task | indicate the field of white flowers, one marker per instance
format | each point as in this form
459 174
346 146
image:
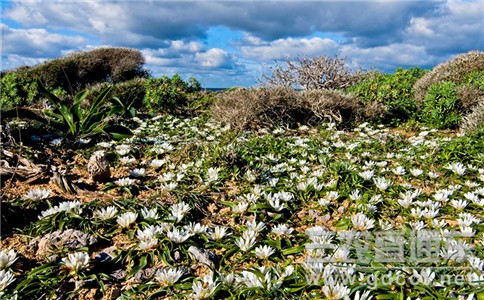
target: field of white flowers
195 210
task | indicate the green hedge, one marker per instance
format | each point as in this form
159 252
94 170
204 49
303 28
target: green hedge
393 91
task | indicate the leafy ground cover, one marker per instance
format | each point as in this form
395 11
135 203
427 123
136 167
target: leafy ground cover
194 209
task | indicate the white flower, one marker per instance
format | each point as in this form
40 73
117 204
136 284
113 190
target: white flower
126 160
212 175
418 225
7 258
240 207
426 276
6 278
168 276
363 296
385 225
416 172
148 244
179 210
76 261
476 263
127 219
156 163
205 288
196 228
381 183
37 194
335 291
276 204
123 149
324 202
149 232
106 213
218 233
458 204
258 227
250 279
177 235
264 252
126 181
250 176
245 242
150 213
362 222
367 175
355 195
457 168
282 229
399 170
139 172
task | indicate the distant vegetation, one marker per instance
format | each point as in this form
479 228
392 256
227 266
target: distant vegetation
443 97
119 185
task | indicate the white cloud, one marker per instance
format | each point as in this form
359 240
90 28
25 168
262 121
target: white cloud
387 57
37 43
289 48
214 58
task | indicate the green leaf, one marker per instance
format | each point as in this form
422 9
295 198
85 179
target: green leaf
293 250
118 132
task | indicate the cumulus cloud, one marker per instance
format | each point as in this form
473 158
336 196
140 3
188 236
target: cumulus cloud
288 48
177 36
37 42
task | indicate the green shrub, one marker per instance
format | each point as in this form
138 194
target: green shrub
17 91
456 70
441 107
394 91
170 94
20 90
78 70
130 93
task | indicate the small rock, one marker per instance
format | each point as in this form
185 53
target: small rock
204 256
70 239
98 167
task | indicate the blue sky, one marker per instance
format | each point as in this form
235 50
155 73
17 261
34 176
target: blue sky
229 43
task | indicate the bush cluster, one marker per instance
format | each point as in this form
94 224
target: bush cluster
284 106
169 94
388 97
456 70
320 72
72 74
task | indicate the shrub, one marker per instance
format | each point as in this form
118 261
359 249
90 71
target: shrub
388 97
441 106
322 72
455 70
130 92
474 121
283 106
471 92
17 90
171 94
78 70
20 90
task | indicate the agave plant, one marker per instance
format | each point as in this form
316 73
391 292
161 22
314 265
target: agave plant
80 123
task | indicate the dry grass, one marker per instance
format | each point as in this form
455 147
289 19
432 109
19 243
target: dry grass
474 120
283 106
454 70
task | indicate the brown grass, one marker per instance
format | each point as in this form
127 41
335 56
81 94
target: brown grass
454 70
283 106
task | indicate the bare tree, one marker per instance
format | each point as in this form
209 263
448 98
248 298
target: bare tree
318 73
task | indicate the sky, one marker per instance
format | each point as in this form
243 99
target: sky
233 43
